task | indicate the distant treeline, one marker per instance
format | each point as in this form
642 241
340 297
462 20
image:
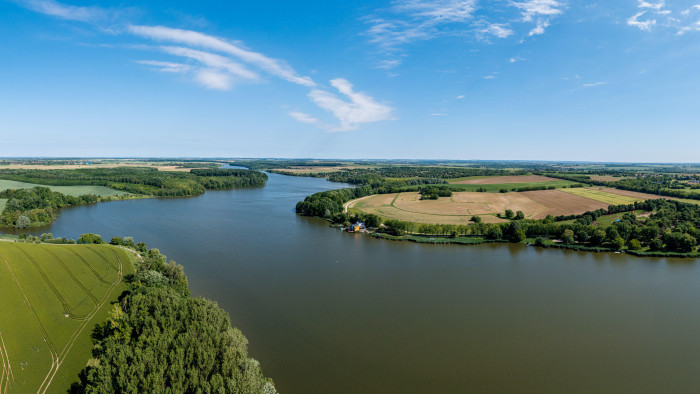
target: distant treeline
158 339
373 176
38 205
141 180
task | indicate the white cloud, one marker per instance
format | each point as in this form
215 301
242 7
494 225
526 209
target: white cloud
516 59
360 108
214 79
656 6
168 67
498 30
534 8
590 85
642 25
461 96
63 11
302 117
213 61
543 10
438 114
438 11
539 29
193 38
490 77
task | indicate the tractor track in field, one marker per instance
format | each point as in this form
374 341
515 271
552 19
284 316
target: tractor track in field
76 333
58 295
6 367
42 330
90 248
97 275
56 358
70 273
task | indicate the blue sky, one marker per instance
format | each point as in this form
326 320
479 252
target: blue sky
441 79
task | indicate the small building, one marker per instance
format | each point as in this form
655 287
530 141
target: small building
357 226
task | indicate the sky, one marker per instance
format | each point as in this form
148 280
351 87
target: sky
404 79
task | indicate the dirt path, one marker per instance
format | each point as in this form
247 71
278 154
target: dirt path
347 204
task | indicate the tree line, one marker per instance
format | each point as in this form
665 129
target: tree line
142 180
159 339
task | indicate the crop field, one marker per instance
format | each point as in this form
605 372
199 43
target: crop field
51 297
67 190
492 180
496 187
610 196
459 208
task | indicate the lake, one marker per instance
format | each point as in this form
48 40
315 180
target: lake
327 311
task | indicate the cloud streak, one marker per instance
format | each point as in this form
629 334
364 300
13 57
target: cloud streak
357 109
274 67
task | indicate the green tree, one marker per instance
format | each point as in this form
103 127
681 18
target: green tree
494 233
476 219
568 237
618 242
509 214
23 222
634 244
519 215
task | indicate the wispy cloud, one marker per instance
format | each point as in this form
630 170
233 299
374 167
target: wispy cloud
408 21
357 109
304 118
645 25
218 63
594 84
192 38
168 67
497 30
540 11
64 11
536 8
539 29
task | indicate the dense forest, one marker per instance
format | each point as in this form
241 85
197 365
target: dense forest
37 205
158 339
142 180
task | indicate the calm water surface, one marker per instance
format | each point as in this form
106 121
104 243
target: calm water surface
327 311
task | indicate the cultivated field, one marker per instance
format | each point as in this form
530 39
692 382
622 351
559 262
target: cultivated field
492 180
459 208
126 163
68 190
611 196
607 178
51 297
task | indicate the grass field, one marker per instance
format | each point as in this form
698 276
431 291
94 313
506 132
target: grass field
51 297
604 195
68 190
459 208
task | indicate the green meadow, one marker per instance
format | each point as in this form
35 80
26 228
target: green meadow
67 190
51 298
